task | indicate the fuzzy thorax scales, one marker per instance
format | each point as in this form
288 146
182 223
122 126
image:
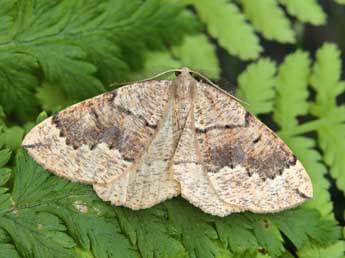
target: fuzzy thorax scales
150 141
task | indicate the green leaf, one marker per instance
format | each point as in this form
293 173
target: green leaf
6 19
83 253
198 53
197 236
278 28
44 208
236 233
300 224
150 232
80 45
42 116
250 254
5 156
340 1
256 86
228 26
92 230
5 175
313 250
11 137
8 251
267 234
17 83
39 233
51 98
2 114
292 92
156 62
325 79
62 65
332 142
306 11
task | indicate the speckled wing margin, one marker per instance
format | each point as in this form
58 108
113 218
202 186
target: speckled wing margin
246 164
100 139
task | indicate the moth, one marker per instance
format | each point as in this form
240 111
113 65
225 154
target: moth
152 140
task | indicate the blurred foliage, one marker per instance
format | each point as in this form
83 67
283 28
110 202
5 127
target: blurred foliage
55 53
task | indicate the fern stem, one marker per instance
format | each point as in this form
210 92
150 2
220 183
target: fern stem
301 129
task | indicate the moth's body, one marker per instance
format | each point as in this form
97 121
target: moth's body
150 141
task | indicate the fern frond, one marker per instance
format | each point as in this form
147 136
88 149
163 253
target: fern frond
197 240
195 52
201 58
8 251
52 97
332 142
325 79
42 208
312 250
199 54
156 62
17 83
277 27
248 254
6 20
255 86
150 232
292 92
331 136
10 137
292 224
5 173
306 11
237 234
227 24
80 45
267 234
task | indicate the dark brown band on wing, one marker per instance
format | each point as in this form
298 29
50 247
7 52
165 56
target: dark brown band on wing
125 119
214 127
92 123
253 147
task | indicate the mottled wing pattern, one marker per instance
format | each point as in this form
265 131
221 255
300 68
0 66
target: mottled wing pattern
98 140
150 181
247 165
190 171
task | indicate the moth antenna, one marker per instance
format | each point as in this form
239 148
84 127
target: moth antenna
147 79
219 88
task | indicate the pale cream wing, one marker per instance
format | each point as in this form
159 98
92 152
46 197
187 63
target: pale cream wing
190 171
247 165
100 139
150 181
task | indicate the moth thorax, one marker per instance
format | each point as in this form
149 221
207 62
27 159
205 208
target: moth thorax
184 86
